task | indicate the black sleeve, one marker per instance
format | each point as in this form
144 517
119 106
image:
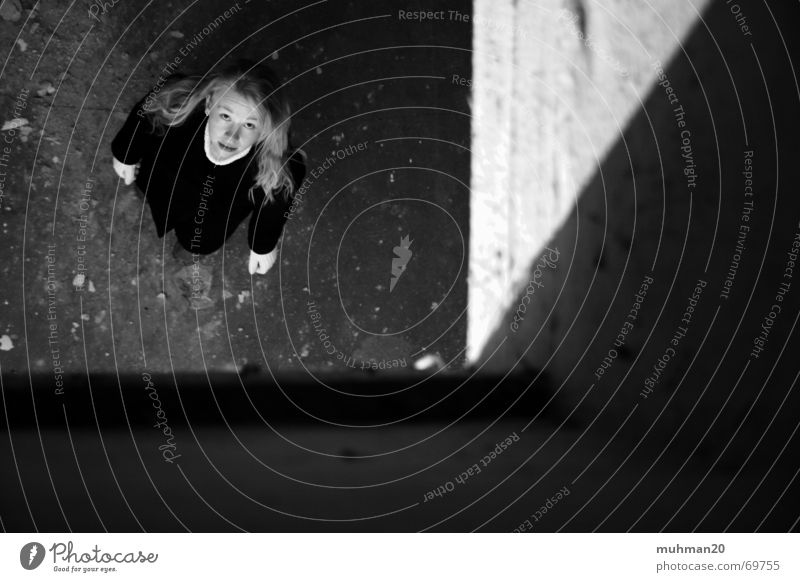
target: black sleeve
267 221
134 138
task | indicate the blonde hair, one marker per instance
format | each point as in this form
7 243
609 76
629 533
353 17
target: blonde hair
181 96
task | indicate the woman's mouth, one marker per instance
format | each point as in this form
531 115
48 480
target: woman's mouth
226 148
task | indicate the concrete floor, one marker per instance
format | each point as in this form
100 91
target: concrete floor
337 249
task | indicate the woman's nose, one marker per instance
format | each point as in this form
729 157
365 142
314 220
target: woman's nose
232 133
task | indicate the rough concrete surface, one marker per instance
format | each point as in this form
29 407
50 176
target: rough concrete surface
80 70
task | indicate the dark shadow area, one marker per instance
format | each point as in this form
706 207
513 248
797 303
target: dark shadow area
224 454
670 323
217 398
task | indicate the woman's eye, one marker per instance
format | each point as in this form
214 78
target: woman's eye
250 125
225 116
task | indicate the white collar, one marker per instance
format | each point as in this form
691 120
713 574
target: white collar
225 162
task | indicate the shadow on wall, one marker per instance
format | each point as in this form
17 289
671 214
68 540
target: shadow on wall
664 305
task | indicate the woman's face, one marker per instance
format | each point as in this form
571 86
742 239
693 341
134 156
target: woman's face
235 123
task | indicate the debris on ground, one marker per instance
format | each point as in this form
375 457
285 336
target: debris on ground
10 10
6 343
14 124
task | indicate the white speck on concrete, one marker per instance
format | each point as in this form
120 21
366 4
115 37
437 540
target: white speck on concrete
429 362
45 88
14 124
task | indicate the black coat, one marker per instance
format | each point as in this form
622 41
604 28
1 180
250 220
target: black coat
188 192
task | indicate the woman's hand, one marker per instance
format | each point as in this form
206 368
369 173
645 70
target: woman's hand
262 263
125 171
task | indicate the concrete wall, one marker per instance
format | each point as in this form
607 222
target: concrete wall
628 187
555 84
